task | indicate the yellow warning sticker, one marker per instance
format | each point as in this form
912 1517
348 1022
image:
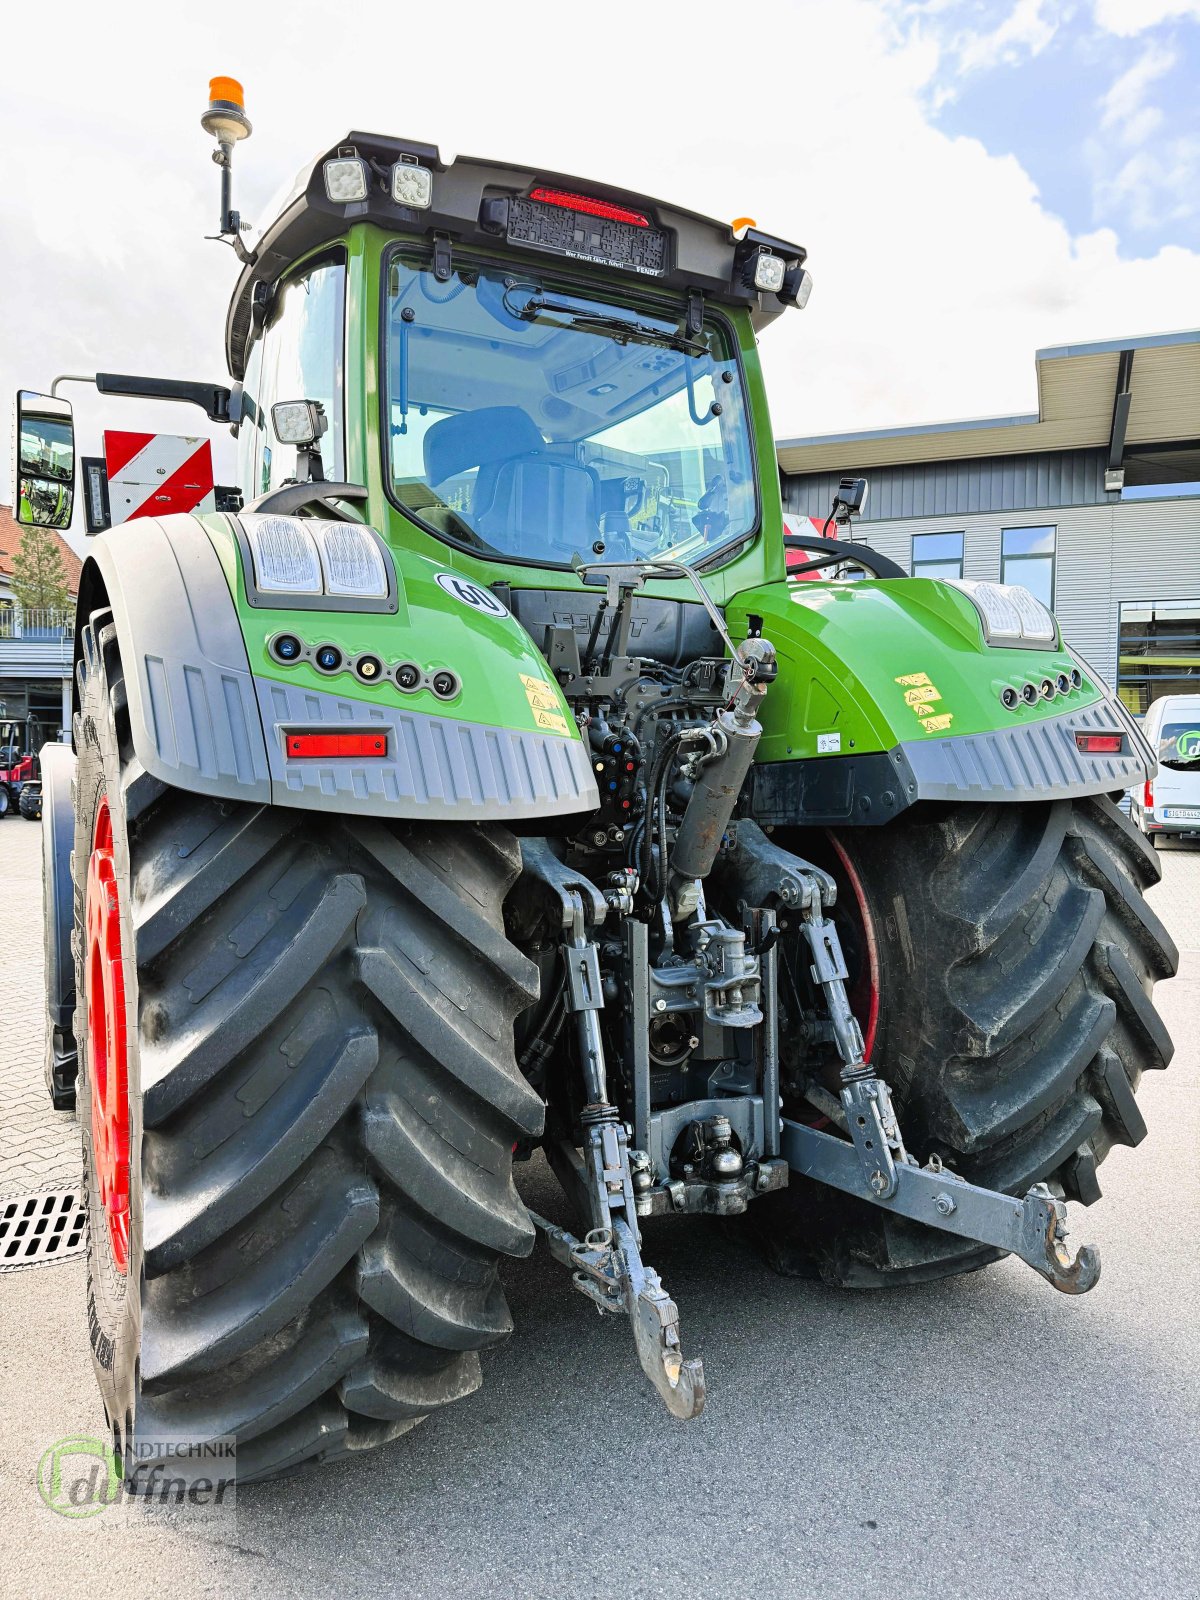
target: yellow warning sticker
543 702
921 695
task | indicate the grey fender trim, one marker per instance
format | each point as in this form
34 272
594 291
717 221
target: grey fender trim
437 767
1024 761
192 709
1031 761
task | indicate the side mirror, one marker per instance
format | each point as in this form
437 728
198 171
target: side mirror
44 460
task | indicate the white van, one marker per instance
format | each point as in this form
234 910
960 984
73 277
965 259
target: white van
1170 802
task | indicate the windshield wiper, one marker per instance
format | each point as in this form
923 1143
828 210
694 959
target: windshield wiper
606 322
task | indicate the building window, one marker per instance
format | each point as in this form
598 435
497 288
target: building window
1027 557
937 555
1158 651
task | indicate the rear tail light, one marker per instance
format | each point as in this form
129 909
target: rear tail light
335 746
589 207
1148 796
1099 744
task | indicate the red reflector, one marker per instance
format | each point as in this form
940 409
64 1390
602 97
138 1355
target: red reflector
335 745
1099 744
592 208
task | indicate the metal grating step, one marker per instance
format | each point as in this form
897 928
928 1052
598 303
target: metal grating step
38 1229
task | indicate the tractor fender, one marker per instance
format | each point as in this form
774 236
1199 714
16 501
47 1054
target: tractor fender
200 719
193 714
58 894
888 693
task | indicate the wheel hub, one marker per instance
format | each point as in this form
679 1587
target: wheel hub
107 1039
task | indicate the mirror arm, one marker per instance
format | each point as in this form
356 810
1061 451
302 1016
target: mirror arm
70 377
212 398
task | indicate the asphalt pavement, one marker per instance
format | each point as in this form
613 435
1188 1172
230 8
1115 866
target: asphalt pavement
982 1437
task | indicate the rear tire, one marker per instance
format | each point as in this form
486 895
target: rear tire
5 800
1015 959
323 1101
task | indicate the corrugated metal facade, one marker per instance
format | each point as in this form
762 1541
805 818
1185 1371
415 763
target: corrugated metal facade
1106 553
960 488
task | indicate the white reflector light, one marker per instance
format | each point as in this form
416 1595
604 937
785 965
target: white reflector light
1010 614
346 179
350 560
768 272
285 556
412 186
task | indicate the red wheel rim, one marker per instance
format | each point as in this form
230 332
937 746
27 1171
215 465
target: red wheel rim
107 1040
864 998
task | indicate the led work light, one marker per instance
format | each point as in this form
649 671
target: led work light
412 185
345 179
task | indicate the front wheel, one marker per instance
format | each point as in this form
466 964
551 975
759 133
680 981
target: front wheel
5 800
1002 961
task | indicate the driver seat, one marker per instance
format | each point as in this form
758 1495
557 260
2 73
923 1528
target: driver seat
521 492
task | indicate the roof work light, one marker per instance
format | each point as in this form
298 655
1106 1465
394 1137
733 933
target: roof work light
346 178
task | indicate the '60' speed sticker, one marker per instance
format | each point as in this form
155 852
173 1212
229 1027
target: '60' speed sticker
471 594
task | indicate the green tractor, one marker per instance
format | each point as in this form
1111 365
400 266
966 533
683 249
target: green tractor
485 786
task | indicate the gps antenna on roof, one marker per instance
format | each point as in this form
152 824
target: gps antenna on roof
227 121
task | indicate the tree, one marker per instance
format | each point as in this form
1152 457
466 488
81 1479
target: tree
39 579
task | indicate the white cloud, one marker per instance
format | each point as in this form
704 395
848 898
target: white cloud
1026 30
1127 17
938 272
1153 186
1122 110
1155 178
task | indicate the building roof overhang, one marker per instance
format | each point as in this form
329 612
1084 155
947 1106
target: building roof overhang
1113 394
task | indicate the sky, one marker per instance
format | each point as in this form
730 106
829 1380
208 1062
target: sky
973 179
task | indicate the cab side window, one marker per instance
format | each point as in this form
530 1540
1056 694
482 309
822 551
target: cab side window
301 357
250 428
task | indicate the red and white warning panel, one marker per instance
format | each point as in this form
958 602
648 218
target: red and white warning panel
154 474
797 560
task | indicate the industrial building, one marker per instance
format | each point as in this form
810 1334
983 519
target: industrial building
36 647
1092 502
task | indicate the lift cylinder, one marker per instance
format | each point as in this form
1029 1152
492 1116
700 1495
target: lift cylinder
714 797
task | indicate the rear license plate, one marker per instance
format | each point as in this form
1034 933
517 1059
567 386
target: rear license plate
587 238
1182 813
